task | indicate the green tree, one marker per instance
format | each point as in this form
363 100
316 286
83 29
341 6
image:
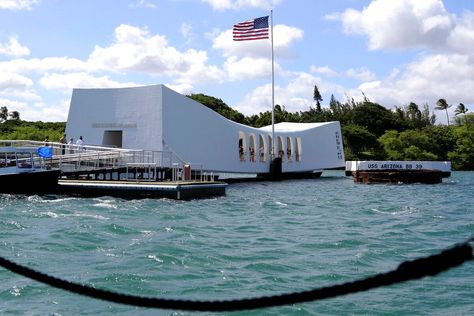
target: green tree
13 129
339 111
376 118
461 109
416 153
317 98
428 118
392 145
14 115
3 113
313 115
468 120
218 106
441 104
442 137
408 145
359 143
462 157
411 117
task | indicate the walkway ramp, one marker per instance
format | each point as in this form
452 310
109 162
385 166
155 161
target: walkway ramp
98 162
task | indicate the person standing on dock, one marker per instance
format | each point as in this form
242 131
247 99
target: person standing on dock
70 146
80 144
63 142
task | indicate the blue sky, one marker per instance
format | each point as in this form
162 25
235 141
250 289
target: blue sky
395 51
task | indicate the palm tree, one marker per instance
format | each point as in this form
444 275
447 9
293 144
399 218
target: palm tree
441 104
461 109
3 113
14 115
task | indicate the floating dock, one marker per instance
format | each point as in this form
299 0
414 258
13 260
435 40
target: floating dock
398 171
181 190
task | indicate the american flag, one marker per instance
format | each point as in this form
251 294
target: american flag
251 30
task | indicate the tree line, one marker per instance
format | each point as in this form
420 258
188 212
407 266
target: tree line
12 127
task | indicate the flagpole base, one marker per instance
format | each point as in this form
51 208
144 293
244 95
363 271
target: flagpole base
275 169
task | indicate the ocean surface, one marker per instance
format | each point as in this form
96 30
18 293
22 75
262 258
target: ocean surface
260 239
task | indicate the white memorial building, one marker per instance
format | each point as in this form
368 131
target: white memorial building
160 119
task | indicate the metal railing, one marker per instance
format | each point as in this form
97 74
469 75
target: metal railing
90 158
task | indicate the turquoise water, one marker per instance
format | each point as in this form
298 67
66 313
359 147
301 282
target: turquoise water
261 239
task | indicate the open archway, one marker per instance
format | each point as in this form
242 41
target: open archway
252 147
280 147
270 147
289 149
298 149
242 145
261 148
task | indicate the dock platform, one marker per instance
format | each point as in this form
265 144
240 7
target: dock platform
180 190
92 171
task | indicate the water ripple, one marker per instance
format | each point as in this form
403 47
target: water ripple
260 239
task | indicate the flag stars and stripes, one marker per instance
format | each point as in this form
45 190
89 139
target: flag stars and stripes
251 30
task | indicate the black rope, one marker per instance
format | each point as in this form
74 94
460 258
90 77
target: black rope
408 270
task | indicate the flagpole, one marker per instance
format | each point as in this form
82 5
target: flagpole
273 89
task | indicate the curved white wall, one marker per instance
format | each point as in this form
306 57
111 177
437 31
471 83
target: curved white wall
157 118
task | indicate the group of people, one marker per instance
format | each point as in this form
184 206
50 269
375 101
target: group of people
71 146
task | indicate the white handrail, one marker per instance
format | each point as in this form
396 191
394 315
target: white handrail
99 157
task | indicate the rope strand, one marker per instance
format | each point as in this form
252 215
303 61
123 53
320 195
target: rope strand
408 270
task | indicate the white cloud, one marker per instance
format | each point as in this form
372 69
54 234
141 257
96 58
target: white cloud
14 81
22 94
247 68
297 95
56 112
335 16
445 71
285 36
461 39
134 49
258 100
402 24
13 48
212 34
66 82
17 4
324 70
448 76
183 88
186 30
14 105
38 110
38 65
362 74
224 42
241 4
219 4
143 4
16 86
